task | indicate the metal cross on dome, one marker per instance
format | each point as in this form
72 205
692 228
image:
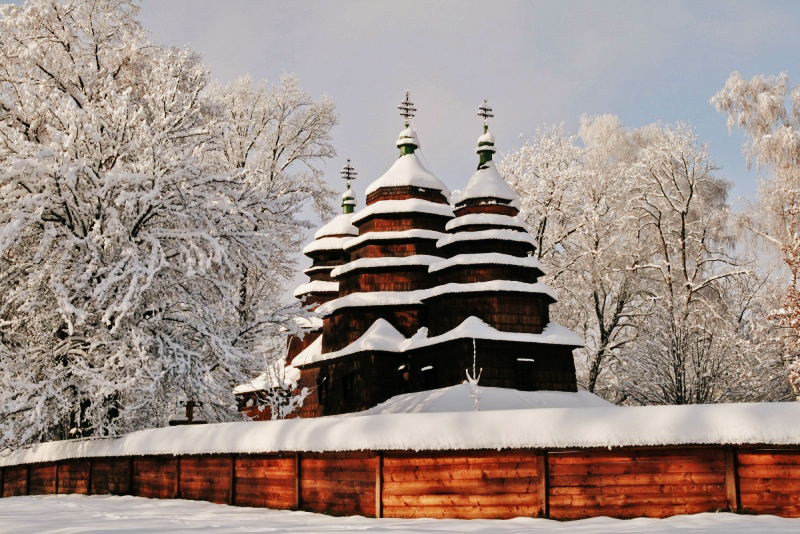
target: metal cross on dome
485 111
407 108
348 172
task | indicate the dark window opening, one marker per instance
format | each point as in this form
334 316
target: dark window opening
322 389
348 387
526 374
428 377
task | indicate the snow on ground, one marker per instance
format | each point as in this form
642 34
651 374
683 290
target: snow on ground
74 514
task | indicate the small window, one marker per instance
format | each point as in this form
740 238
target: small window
526 374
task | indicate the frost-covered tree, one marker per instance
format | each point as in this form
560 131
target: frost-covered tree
125 236
768 111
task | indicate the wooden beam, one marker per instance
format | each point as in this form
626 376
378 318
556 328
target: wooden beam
89 478
542 490
130 475
177 477
297 473
379 485
731 479
2 480
232 487
28 480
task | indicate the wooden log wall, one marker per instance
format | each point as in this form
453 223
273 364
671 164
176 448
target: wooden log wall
623 482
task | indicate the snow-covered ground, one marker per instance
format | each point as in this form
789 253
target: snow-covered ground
73 514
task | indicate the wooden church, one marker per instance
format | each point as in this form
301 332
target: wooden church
417 285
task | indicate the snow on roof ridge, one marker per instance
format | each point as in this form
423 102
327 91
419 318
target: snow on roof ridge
500 234
326 243
490 258
474 328
391 235
373 298
380 336
339 225
486 183
388 261
316 286
489 219
307 354
490 285
290 374
408 170
409 205
766 423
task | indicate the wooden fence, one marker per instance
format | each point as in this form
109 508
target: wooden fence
560 484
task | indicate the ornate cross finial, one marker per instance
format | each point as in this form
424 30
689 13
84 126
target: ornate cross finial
407 108
348 172
485 111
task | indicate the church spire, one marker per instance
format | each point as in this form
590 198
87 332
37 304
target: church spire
349 197
486 141
407 142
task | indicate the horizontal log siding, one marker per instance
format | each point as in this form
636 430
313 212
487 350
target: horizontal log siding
503 310
405 192
42 479
636 483
769 481
74 476
485 246
398 222
407 278
466 274
155 477
396 248
338 483
495 485
499 209
266 481
206 478
15 481
111 476
623 482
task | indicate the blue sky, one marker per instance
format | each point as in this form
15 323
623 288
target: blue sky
536 62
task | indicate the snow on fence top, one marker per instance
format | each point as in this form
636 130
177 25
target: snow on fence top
548 428
408 170
390 236
491 258
408 205
340 225
389 261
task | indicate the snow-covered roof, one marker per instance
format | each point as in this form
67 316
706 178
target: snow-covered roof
490 286
486 183
540 428
316 286
308 354
409 205
492 219
318 268
492 258
458 399
393 236
340 225
389 261
312 322
373 298
500 234
326 243
474 328
269 380
408 170
381 336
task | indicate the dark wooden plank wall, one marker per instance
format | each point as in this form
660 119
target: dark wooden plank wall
266 481
769 481
341 483
623 483
636 483
496 485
